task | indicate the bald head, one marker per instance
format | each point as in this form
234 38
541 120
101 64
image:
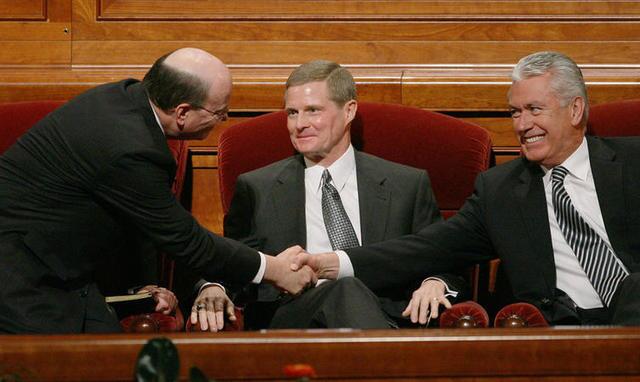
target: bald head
187 75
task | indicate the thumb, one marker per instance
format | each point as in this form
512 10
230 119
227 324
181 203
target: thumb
298 261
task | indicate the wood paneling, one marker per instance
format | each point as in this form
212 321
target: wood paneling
382 53
23 10
360 9
35 32
451 56
480 355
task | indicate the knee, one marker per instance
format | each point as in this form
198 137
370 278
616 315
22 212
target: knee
351 284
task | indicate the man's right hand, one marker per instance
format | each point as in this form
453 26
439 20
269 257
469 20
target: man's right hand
326 265
279 272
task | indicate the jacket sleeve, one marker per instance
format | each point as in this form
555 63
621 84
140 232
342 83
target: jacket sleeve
137 186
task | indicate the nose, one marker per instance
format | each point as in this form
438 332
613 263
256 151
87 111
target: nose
302 121
523 122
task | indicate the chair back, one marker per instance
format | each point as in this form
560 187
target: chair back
452 151
18 117
615 119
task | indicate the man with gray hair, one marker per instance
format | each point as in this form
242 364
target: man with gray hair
564 218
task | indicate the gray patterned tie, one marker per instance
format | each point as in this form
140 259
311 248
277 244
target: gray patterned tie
597 259
336 221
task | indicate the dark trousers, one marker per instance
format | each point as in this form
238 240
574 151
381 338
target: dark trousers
344 303
33 299
624 309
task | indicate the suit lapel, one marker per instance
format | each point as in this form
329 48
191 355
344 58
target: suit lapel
374 198
530 196
607 177
288 197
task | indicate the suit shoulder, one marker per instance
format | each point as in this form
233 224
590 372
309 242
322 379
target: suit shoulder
387 166
625 146
271 170
508 171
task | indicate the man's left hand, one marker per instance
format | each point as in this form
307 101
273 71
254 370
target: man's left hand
425 302
210 307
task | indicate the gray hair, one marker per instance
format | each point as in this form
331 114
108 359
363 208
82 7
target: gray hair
340 84
567 81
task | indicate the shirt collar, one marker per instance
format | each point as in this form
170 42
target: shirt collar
578 162
340 171
153 109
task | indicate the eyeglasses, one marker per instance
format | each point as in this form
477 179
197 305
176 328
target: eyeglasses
220 114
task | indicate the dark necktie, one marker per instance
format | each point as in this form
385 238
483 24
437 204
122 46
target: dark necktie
596 257
336 221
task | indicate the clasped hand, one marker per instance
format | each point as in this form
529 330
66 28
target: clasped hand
281 273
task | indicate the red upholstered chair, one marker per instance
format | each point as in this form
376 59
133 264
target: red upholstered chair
615 119
18 117
518 315
451 150
468 314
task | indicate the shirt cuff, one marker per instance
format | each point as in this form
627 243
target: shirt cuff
208 284
448 292
346 268
263 266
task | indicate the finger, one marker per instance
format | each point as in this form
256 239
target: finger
445 302
194 315
296 263
202 317
435 305
299 261
231 312
407 311
218 307
212 320
423 311
162 306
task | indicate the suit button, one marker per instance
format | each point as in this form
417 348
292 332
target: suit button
84 292
545 301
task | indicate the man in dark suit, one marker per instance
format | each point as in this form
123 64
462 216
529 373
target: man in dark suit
564 218
281 204
100 163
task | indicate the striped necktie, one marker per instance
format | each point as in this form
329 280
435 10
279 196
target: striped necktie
597 259
336 221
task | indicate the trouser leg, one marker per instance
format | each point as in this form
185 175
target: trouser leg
344 303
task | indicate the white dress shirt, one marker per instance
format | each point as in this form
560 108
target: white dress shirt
344 179
579 184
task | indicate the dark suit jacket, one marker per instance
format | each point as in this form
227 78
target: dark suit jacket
507 216
66 188
268 210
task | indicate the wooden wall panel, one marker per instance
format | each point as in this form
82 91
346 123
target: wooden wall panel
437 355
35 32
371 9
23 10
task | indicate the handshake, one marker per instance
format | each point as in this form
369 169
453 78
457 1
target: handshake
295 270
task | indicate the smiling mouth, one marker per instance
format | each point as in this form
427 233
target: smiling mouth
533 139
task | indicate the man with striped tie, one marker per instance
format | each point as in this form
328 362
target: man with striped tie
564 218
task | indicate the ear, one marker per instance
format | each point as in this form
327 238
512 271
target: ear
180 114
577 111
350 109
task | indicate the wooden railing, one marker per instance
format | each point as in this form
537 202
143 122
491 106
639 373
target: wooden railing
533 354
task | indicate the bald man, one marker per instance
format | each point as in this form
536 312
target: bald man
100 163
